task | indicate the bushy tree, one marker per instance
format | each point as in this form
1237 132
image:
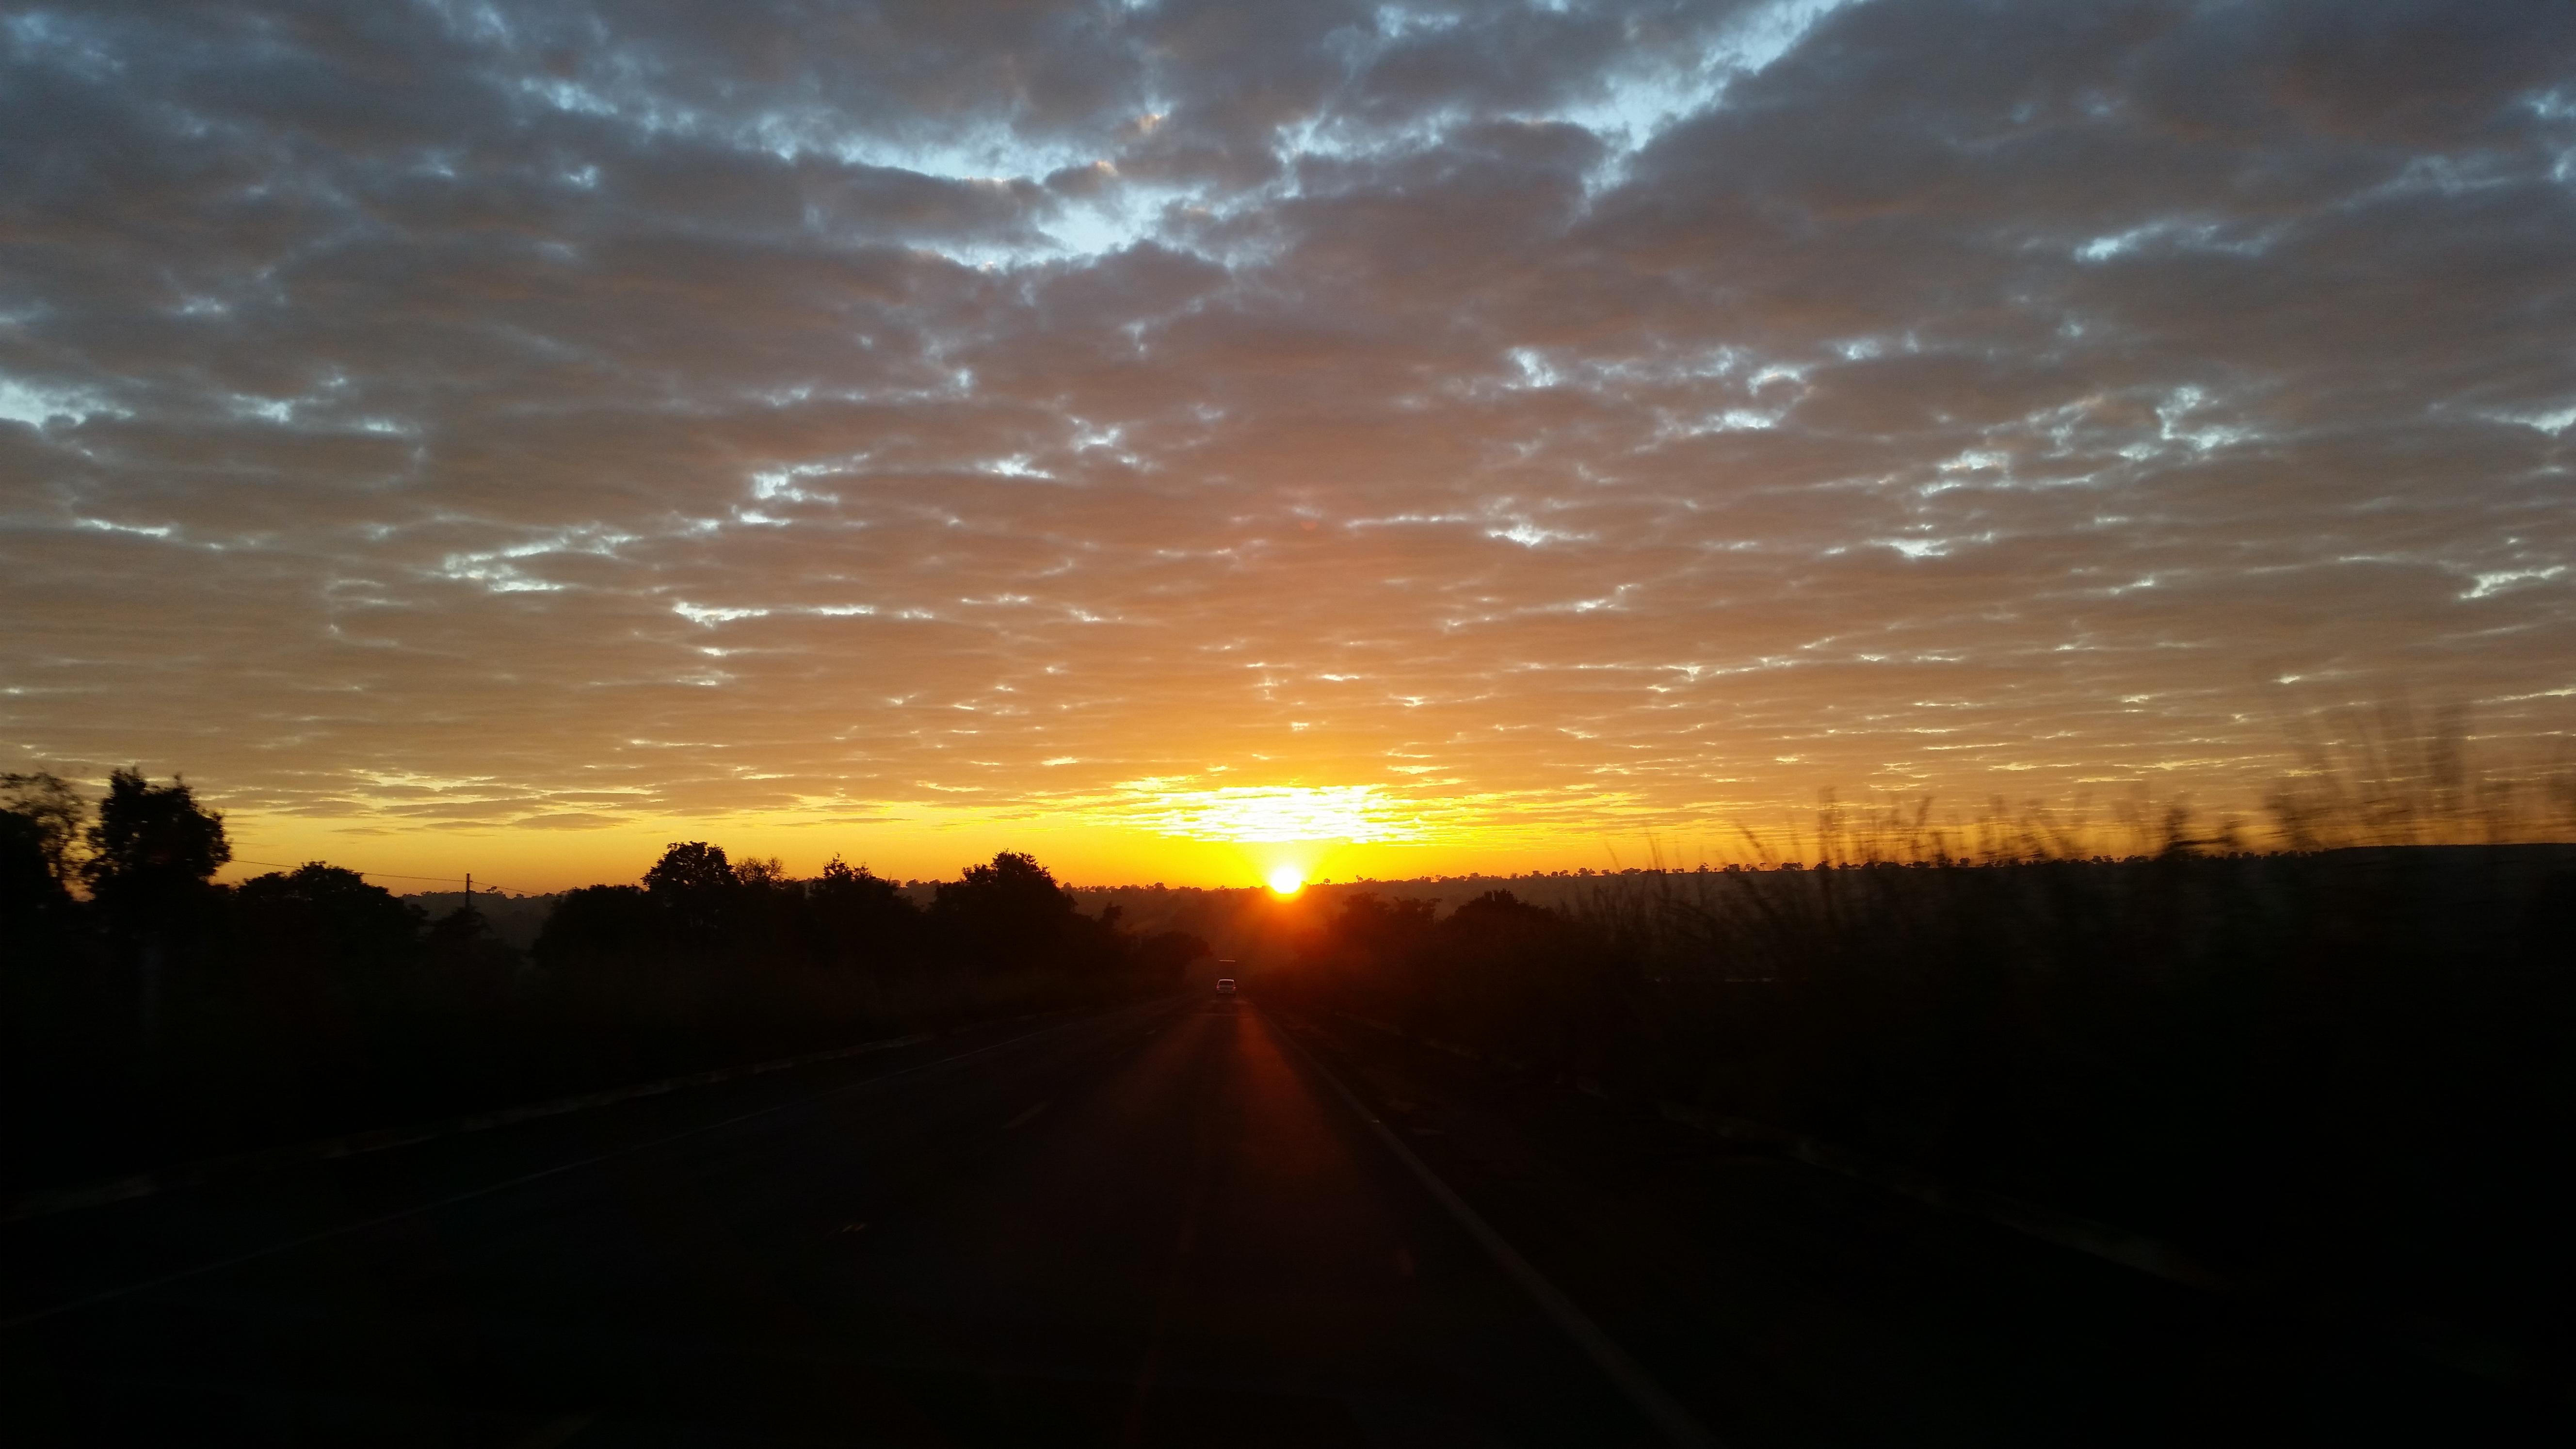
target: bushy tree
690 867
322 916
50 814
1007 915
463 938
696 887
766 921
469 968
28 888
756 874
152 853
864 917
602 924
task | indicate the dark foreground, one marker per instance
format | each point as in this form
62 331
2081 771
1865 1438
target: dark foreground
1157 1225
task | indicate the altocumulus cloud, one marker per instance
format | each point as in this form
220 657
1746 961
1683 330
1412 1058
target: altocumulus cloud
1603 415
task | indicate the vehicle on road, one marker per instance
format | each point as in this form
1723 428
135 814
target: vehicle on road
1225 986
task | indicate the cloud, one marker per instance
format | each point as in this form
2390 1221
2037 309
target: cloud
865 416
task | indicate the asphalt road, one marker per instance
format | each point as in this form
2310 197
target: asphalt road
1165 1224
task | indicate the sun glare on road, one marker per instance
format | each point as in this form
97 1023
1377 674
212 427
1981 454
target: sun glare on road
1286 881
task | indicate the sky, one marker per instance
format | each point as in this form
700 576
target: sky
1180 438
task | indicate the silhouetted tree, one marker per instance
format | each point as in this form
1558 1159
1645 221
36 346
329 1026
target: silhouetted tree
321 916
695 884
53 812
463 935
758 874
769 925
601 925
151 855
468 965
28 889
690 867
1007 915
864 918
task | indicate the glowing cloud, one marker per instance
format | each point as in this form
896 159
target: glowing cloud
1511 433
1249 815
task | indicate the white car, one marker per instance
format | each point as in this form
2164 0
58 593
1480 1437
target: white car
1225 986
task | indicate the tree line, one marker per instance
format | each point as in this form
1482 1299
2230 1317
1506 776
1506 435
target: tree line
152 1014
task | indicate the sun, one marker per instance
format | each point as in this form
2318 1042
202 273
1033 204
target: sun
1287 880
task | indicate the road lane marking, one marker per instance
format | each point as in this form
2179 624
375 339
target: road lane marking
1024 1118
1660 1408
236 1260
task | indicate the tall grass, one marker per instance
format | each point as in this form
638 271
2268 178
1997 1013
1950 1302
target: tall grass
2348 1066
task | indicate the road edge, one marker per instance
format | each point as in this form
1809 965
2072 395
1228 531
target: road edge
1644 1394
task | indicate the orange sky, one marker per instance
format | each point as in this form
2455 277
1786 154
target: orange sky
1156 437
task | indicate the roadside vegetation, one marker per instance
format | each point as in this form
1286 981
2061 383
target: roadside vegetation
2342 1067
148 1016
2343 1071
2349 1070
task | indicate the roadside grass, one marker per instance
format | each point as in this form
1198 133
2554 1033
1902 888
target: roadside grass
2344 1069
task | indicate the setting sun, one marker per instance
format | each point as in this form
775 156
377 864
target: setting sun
1287 881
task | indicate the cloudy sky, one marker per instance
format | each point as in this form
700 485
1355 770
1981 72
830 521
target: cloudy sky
1494 434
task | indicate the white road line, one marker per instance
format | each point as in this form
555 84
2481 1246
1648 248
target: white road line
1660 1408
236 1260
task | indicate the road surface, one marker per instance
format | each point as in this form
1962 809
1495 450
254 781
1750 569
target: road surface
1168 1223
